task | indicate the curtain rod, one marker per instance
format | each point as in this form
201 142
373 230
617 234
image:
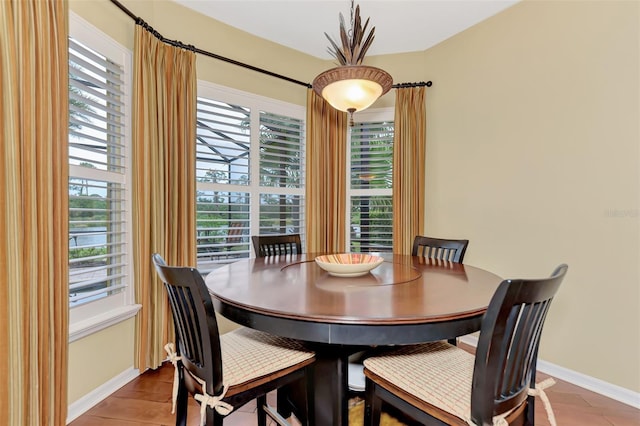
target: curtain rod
179 44
418 84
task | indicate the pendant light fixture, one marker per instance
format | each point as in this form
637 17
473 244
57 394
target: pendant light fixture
351 86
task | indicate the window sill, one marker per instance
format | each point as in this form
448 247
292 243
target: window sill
86 327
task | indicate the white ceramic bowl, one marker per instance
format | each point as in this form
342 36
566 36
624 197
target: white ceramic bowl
348 264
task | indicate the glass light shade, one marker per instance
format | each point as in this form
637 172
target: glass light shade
346 95
352 88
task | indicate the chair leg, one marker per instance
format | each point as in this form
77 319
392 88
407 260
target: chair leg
283 403
291 399
182 401
261 401
529 418
531 400
213 418
372 405
309 419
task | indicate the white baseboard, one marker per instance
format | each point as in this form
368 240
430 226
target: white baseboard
601 387
83 404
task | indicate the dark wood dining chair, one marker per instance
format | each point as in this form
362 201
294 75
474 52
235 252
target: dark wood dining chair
434 248
438 383
272 245
439 248
225 371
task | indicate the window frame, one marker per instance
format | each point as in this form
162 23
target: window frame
256 104
369 115
96 315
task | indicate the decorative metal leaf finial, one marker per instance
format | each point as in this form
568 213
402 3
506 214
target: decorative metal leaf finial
353 49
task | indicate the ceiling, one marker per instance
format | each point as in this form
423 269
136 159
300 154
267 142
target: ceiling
401 25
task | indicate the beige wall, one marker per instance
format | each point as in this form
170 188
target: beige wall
533 154
99 357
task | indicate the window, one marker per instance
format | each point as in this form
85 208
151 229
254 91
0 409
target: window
249 172
98 172
223 140
370 189
281 174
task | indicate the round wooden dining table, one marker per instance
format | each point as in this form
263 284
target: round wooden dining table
405 300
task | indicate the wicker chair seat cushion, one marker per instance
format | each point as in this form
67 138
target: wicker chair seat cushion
438 373
248 354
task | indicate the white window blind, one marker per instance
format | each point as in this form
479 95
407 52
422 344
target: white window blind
223 163
97 193
371 166
281 162
281 214
281 175
249 171
222 227
223 143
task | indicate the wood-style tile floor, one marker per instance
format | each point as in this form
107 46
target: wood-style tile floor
146 400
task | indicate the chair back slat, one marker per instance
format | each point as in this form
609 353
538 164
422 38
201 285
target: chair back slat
524 338
196 327
439 248
184 330
276 245
187 326
508 345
